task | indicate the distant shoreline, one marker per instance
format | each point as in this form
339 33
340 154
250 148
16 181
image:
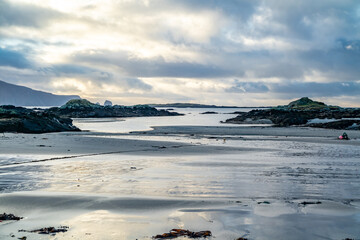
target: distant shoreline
195 105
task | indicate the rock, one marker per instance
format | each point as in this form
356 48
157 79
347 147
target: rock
10 216
22 120
108 103
342 124
278 117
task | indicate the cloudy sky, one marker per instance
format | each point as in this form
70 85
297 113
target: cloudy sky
228 52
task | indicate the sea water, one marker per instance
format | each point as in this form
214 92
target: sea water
191 117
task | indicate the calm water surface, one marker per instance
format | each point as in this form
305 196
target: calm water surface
192 117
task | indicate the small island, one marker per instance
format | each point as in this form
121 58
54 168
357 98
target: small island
82 108
303 112
58 119
209 112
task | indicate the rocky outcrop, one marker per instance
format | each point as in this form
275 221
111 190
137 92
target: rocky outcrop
82 108
299 113
108 103
342 124
278 117
22 120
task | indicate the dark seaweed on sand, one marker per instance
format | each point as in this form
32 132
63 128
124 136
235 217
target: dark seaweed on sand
174 233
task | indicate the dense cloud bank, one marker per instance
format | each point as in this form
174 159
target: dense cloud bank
241 52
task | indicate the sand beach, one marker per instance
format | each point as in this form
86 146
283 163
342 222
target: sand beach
252 182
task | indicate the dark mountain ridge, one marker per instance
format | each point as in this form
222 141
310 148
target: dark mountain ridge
11 94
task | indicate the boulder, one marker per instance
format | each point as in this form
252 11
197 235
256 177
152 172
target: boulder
108 103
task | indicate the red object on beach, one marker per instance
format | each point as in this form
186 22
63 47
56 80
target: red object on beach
340 137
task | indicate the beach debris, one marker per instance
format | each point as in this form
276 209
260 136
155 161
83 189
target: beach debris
10 216
264 202
47 230
344 136
309 203
22 238
174 233
159 147
241 238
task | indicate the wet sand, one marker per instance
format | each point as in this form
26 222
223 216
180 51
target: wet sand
255 184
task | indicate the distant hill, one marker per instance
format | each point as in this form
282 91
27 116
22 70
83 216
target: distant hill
16 95
189 105
306 103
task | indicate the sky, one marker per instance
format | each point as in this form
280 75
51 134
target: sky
228 52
